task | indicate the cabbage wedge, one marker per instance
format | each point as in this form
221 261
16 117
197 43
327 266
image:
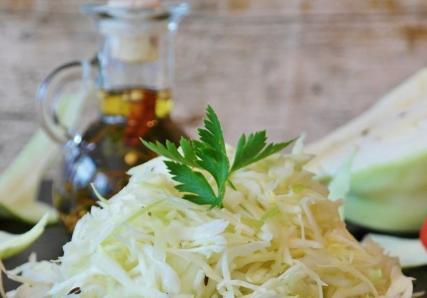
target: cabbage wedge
411 252
388 185
11 244
19 183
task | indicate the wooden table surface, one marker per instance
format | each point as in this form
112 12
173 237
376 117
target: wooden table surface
287 66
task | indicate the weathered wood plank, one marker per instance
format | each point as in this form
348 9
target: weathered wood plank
281 65
246 7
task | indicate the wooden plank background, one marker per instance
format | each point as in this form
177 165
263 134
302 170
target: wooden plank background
287 66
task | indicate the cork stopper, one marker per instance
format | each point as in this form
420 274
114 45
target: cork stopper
130 43
134 3
134 49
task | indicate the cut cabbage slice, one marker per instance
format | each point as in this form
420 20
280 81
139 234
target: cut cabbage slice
388 189
19 184
277 236
411 252
11 244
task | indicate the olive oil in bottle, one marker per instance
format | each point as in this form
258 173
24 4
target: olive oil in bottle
132 73
111 146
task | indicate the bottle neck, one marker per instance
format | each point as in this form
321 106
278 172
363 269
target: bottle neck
135 71
136 54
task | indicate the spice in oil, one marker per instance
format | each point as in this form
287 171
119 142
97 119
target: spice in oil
111 146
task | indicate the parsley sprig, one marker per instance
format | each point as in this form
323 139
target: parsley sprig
208 154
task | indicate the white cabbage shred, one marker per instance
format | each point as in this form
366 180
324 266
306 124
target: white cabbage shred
277 236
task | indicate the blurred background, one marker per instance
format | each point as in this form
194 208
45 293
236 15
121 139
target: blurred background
286 66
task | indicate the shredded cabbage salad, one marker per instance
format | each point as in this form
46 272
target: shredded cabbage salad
277 236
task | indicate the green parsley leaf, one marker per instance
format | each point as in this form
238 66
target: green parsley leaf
208 154
254 148
192 183
189 152
210 149
169 150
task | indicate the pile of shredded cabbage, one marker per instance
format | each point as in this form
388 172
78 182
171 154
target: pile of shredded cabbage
277 236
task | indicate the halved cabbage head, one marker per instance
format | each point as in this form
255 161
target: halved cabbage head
388 185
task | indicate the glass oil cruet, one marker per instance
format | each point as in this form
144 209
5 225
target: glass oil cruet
128 97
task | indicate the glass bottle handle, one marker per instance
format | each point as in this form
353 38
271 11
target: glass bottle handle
58 113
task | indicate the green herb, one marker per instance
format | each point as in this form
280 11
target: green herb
208 154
